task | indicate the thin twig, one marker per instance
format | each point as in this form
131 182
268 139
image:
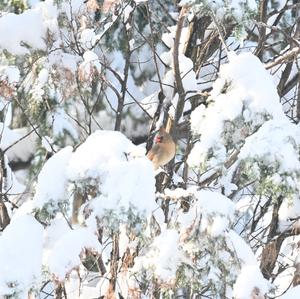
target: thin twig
291 54
178 80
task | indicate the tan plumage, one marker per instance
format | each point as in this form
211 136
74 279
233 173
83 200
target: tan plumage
163 149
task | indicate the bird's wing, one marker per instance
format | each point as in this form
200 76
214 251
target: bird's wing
150 155
153 152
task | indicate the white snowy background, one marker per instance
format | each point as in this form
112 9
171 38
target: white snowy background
244 157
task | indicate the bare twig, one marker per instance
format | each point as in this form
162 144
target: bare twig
219 31
178 80
128 53
263 5
291 54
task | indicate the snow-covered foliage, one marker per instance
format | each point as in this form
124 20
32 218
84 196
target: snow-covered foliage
239 11
83 213
249 283
105 160
109 167
251 132
21 257
50 189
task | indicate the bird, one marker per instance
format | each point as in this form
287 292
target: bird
163 149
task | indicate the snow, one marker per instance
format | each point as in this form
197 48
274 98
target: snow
168 85
10 73
150 103
64 60
243 97
186 72
38 92
283 281
241 248
27 27
21 256
52 179
164 256
275 145
102 147
61 124
42 77
249 279
128 9
22 149
276 140
168 38
214 202
235 8
90 56
31 26
289 256
72 285
290 209
32 3
64 255
73 8
242 115
11 185
64 248
215 210
178 193
88 38
260 94
133 189
58 228
111 159
47 143
292 293
89 65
